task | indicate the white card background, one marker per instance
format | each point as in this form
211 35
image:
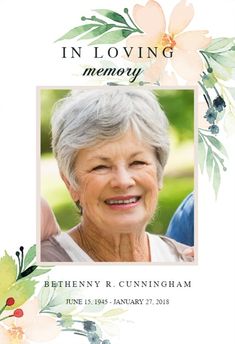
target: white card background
29 58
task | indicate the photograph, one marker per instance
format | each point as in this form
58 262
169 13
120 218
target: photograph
116 175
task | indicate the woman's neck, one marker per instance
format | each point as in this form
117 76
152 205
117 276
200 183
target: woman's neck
118 247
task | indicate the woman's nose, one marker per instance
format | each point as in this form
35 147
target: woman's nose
122 178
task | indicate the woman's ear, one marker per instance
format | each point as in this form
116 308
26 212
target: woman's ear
73 192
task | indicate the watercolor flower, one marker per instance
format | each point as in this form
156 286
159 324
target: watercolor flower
27 325
185 59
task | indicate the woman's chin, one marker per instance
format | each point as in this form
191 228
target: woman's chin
127 225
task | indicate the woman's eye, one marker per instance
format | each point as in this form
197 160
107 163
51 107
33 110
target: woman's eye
138 163
99 168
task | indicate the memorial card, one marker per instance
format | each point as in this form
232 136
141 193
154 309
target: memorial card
117 172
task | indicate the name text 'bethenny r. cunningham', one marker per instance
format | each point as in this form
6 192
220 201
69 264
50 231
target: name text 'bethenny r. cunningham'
118 284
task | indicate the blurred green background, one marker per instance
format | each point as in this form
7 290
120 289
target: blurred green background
179 173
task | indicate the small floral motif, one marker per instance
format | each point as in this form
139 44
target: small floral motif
219 104
211 115
93 338
89 326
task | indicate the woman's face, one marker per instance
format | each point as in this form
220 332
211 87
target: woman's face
118 184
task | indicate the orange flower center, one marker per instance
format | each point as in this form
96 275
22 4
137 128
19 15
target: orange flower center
16 334
168 40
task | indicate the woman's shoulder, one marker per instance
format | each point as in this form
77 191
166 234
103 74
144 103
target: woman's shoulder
52 251
164 249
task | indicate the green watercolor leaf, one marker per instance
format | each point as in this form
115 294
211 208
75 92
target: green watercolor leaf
216 178
217 144
38 272
114 312
97 31
226 59
58 302
201 153
112 15
112 37
221 44
220 71
30 256
209 80
8 273
76 31
209 162
45 295
28 272
21 291
61 295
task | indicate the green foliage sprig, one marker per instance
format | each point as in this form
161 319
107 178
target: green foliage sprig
211 156
17 282
104 31
219 58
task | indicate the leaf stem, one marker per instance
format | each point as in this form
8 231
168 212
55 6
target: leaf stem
217 92
215 155
8 316
131 20
22 258
127 27
76 331
206 100
47 312
18 258
205 57
2 309
48 304
94 19
206 93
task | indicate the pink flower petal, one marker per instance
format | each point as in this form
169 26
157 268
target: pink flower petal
43 328
4 338
150 18
181 16
192 40
187 64
168 79
142 41
152 73
30 309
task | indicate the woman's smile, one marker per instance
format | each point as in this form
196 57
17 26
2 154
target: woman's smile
122 202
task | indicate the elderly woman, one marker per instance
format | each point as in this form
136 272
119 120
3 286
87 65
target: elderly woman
111 146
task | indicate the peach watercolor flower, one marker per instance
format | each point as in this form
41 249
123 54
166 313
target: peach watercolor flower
186 60
32 326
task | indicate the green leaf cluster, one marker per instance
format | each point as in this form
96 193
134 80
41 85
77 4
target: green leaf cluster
18 283
106 32
211 153
221 57
52 300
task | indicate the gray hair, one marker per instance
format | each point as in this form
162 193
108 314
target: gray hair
86 118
